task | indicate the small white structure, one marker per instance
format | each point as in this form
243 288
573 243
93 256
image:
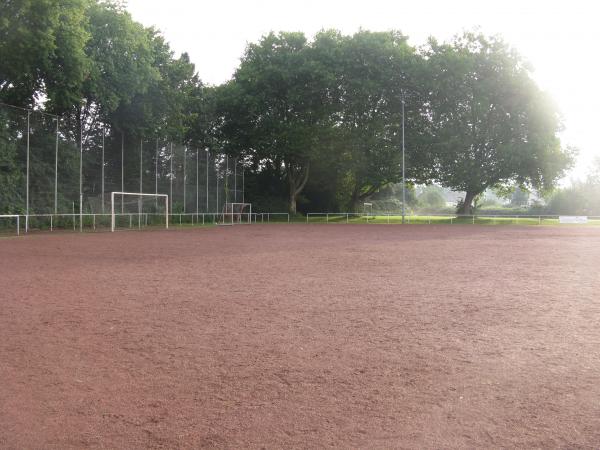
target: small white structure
573 219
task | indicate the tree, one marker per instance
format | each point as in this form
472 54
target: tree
431 197
42 51
106 75
489 124
275 110
371 71
581 197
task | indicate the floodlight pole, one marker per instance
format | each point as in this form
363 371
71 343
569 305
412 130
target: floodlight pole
403 170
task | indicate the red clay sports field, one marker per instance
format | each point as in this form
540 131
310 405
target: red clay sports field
279 336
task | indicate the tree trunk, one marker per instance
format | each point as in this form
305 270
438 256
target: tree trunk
292 204
297 178
467 206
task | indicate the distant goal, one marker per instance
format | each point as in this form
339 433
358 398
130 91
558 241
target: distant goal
137 210
236 213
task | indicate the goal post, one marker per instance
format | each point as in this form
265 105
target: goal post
367 210
236 213
137 199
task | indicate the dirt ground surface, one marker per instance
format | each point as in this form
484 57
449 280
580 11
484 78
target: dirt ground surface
302 336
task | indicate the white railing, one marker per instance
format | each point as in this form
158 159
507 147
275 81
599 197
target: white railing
134 220
386 217
95 221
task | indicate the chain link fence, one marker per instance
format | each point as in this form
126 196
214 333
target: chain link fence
50 170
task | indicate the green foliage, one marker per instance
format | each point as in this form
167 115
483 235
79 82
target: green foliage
11 179
581 198
389 198
105 74
275 108
370 70
42 51
490 124
317 123
431 199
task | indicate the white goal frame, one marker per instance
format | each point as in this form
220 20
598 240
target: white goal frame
367 210
136 194
17 220
235 215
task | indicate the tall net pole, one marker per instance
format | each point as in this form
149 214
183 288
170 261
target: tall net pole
403 177
217 177
243 186
156 175
103 134
197 185
184 178
141 185
27 179
80 173
235 180
56 171
226 179
206 179
171 182
122 170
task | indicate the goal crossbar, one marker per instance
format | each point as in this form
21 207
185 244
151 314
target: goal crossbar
136 194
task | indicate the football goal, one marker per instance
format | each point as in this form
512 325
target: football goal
137 210
236 213
367 210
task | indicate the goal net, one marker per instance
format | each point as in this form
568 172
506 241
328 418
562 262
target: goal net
236 213
137 210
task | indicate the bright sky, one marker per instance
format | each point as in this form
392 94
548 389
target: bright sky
559 38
